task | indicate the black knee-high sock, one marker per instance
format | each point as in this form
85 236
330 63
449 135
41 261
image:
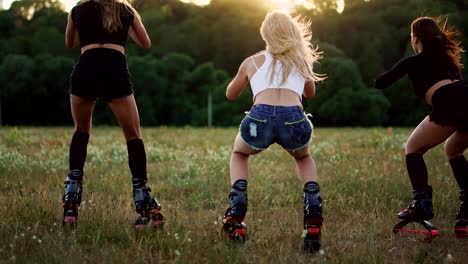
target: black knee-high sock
137 162
78 150
417 171
460 171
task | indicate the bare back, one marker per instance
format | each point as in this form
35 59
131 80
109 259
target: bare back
271 96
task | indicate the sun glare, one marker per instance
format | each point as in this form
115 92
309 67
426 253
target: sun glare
197 2
281 4
341 5
306 3
67 4
274 4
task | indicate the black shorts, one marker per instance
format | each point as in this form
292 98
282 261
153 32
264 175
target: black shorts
101 73
450 106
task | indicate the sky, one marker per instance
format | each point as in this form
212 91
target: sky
281 4
68 4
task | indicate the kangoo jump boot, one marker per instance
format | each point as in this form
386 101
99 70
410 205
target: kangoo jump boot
72 197
312 217
233 225
420 211
147 207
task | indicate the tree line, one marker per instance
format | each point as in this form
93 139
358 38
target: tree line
196 51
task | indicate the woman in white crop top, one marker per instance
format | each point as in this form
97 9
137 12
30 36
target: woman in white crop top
279 77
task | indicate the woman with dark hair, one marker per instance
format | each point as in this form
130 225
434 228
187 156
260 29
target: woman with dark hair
101 28
435 73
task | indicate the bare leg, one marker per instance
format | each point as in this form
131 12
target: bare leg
312 201
454 148
305 165
126 112
426 136
456 144
239 160
82 113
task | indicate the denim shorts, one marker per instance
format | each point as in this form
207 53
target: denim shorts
267 124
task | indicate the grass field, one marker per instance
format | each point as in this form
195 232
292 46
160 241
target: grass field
361 172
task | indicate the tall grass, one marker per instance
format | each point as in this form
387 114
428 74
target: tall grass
361 173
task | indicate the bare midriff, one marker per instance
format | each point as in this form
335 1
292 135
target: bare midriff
278 96
436 87
105 45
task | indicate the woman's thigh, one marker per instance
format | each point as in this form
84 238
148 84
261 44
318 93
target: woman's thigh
82 112
126 112
427 135
456 144
241 147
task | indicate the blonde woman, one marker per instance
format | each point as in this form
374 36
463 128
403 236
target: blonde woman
101 29
279 76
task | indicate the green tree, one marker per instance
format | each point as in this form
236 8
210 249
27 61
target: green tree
51 90
355 107
339 100
151 89
16 76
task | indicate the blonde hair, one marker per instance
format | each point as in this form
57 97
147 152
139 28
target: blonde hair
111 12
288 40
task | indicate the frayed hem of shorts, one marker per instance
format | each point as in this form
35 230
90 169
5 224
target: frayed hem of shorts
253 147
296 149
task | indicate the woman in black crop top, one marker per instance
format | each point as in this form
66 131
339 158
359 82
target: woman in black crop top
435 73
101 28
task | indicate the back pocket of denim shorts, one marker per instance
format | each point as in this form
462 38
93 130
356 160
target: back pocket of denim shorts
252 130
300 130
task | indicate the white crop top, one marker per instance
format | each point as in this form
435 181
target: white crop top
260 80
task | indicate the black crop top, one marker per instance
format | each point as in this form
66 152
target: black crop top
87 19
424 70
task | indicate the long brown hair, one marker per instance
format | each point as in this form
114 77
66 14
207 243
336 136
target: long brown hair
438 37
111 11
